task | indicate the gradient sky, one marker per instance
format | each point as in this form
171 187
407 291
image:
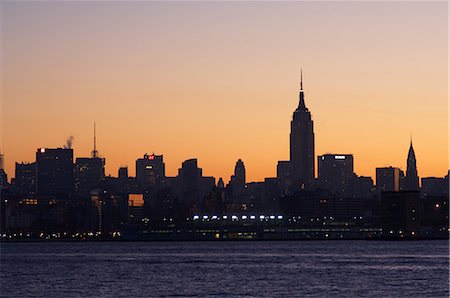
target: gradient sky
219 81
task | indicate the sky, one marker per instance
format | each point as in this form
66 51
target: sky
219 81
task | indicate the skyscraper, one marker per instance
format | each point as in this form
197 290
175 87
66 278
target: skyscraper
150 171
55 171
238 179
412 179
388 179
336 173
302 144
89 171
25 178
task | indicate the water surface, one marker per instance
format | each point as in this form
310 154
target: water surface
238 269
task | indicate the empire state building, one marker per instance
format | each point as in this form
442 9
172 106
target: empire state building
302 144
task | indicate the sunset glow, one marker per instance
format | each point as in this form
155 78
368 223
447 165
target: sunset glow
219 82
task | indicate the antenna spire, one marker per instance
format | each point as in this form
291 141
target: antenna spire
95 152
301 79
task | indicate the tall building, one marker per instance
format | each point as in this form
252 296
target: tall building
388 179
302 144
336 173
433 186
55 171
238 180
412 179
150 171
189 181
89 172
284 176
25 178
191 185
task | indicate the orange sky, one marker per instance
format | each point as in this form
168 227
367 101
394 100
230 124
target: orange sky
219 81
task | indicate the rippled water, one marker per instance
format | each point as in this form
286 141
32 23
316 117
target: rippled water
247 269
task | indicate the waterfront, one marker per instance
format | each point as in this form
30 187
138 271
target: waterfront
240 269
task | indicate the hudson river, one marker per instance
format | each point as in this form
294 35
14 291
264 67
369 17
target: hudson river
219 269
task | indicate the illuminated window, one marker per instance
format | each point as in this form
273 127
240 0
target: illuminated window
136 200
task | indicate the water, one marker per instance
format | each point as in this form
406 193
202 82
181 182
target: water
239 269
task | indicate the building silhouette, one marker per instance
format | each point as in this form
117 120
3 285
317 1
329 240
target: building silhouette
434 186
412 179
150 171
302 144
388 179
25 178
238 180
89 172
191 185
284 176
336 173
55 171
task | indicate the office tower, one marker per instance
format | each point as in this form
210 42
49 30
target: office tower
412 179
189 181
433 186
191 185
284 176
388 179
25 178
302 144
55 171
363 187
89 172
238 180
150 171
336 173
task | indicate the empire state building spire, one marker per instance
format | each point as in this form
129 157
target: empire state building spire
301 104
301 79
302 144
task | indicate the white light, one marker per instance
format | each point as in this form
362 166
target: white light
205 216
262 217
42 150
234 217
196 217
214 217
272 217
280 216
225 217
244 216
339 157
252 217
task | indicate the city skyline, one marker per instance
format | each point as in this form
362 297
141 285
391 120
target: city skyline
221 106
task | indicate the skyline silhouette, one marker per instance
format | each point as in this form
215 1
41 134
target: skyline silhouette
219 81
302 153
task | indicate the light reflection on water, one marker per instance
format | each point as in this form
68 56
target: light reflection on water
250 269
